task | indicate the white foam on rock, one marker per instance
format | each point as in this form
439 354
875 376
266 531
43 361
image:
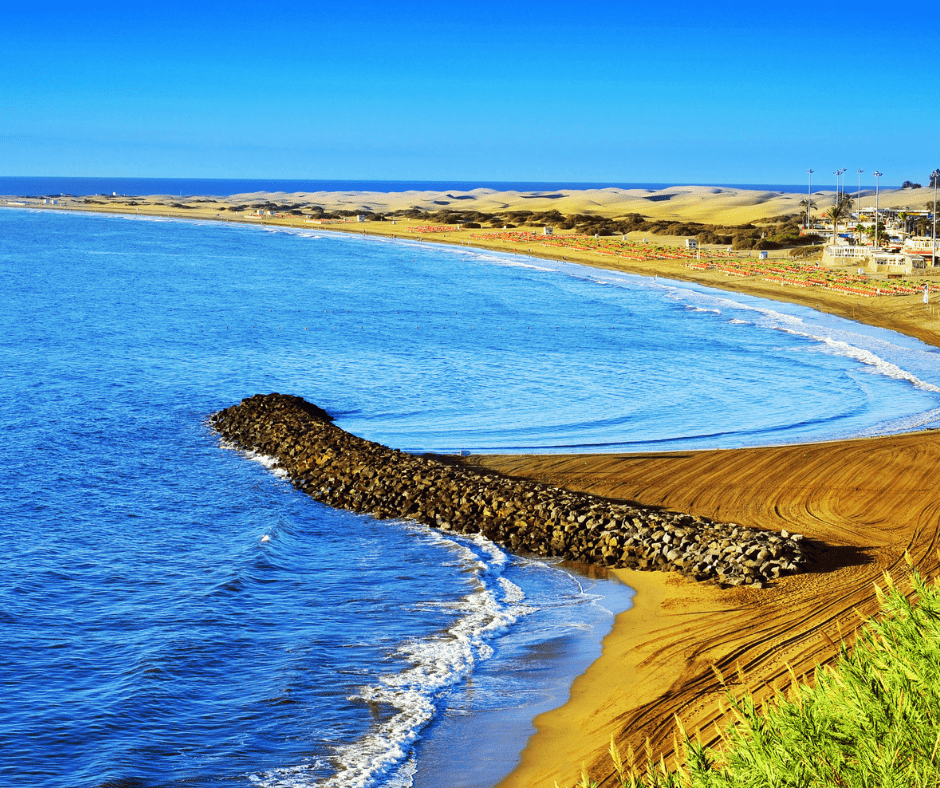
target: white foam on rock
265 460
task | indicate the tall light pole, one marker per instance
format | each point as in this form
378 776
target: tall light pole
877 175
935 176
809 195
836 173
858 202
842 190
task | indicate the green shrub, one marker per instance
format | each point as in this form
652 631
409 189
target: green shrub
870 719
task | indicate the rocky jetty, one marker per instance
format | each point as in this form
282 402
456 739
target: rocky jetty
347 472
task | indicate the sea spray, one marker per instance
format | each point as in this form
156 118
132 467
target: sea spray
434 665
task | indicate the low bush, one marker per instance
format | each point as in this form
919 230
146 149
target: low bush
870 719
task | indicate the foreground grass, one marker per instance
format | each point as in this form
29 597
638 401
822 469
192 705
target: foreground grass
870 719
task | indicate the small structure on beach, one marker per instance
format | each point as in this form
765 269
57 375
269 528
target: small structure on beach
546 230
691 243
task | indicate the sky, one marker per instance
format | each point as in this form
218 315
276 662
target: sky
613 92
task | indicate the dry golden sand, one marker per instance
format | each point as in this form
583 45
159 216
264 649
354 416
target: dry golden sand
864 502
713 204
718 205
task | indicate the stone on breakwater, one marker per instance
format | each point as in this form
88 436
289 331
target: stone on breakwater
347 472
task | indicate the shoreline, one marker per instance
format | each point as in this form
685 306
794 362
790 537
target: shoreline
905 314
871 499
658 660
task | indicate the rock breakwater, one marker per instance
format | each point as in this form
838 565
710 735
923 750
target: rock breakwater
351 473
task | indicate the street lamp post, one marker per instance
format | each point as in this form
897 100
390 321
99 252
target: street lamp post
842 190
935 176
877 175
809 196
836 173
858 202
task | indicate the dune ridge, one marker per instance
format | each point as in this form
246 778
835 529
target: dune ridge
713 204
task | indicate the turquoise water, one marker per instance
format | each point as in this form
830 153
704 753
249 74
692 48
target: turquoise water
151 636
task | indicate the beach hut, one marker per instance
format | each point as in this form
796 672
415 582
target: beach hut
548 230
691 243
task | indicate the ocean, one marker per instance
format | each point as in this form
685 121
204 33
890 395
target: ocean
42 186
174 612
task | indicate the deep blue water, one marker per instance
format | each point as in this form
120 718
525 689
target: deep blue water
152 635
38 186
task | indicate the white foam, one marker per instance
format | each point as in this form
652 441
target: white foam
880 366
271 463
511 592
299 776
916 421
435 663
849 346
265 460
515 263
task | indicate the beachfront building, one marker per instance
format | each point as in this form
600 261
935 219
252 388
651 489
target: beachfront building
691 243
844 254
883 261
921 247
548 230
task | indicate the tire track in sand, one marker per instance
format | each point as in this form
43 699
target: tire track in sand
864 503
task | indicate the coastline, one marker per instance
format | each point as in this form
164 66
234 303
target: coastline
905 314
869 499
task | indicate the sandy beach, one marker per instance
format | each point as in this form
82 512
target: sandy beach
863 503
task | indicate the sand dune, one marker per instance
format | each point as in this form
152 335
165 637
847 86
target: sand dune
711 204
697 203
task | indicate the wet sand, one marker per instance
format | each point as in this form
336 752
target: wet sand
863 502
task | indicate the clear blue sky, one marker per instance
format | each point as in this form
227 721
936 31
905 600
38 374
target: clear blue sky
717 92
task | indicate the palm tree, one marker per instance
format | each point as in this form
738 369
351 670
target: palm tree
841 209
806 210
883 234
